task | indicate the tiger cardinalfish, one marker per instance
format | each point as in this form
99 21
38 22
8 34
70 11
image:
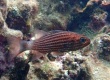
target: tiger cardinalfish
57 42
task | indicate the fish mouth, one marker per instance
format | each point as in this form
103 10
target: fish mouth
80 46
86 43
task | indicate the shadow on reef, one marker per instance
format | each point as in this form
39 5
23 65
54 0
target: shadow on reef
72 3
18 21
3 54
81 16
20 71
83 75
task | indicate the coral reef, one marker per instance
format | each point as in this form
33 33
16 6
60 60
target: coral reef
49 18
3 53
9 37
3 64
63 68
98 69
98 21
20 19
20 16
102 46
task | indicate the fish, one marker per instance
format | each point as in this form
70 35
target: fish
55 42
60 41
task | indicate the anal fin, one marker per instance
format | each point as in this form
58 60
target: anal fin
36 55
55 54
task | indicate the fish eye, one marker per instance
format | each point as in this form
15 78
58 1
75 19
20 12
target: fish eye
82 39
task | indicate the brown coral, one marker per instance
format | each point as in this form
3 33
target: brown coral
3 8
98 21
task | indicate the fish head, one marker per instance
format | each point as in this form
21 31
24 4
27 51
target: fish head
79 41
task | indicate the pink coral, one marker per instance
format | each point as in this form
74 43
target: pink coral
98 21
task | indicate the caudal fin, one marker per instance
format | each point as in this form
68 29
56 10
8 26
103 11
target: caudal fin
17 45
14 47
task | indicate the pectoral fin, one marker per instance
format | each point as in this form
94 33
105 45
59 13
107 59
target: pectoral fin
36 54
55 54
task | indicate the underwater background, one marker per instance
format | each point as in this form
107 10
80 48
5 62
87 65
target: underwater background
20 21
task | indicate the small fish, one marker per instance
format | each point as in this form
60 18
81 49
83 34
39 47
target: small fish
57 41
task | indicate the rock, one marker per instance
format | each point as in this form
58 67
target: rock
101 45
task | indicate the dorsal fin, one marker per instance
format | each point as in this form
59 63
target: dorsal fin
54 31
38 33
